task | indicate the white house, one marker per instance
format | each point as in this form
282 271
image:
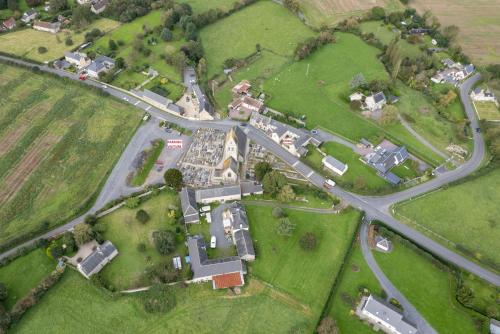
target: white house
101 256
80 60
29 16
52 27
483 95
375 101
334 165
99 65
98 6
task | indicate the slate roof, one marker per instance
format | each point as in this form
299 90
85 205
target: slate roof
249 187
215 192
202 267
175 108
99 4
101 254
188 204
73 55
202 99
383 160
155 97
334 162
389 314
241 138
244 243
379 97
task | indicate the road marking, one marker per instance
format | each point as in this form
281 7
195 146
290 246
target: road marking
136 103
309 175
295 163
149 107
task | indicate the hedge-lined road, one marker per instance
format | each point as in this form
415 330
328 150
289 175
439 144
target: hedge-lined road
374 207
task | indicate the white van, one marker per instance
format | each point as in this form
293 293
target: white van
213 241
329 183
205 208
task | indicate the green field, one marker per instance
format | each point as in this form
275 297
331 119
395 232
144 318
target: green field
383 32
357 275
25 42
58 142
431 293
74 305
466 214
236 36
200 6
24 273
126 233
318 88
307 276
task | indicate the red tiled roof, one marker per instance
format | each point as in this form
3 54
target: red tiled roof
227 280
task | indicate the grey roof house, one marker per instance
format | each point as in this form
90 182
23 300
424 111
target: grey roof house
101 256
240 232
189 207
218 194
335 165
383 160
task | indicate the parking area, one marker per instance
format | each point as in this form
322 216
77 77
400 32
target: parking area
217 227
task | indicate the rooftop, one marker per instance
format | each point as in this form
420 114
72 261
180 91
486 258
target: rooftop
91 262
214 192
225 281
388 314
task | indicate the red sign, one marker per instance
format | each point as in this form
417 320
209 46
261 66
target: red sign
174 143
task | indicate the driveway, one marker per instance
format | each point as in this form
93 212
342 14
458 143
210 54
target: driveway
217 227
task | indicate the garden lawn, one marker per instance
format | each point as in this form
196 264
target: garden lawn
25 42
382 32
359 177
430 289
306 275
485 294
74 305
466 214
24 273
126 233
59 142
264 23
318 87
487 111
356 275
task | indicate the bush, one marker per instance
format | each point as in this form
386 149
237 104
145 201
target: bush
327 326
285 227
83 233
142 216
133 202
69 241
159 298
278 212
308 241
141 247
68 41
164 241
3 292
42 49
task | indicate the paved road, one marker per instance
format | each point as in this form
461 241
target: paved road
374 207
409 312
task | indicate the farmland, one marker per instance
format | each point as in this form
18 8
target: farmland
432 292
271 26
478 21
24 273
26 42
281 262
59 141
465 214
65 309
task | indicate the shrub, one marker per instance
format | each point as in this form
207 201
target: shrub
42 49
3 292
83 233
68 41
69 241
159 298
308 241
164 241
327 326
278 212
141 247
133 202
142 216
285 227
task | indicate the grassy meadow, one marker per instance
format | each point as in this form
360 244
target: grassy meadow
200 6
24 273
58 142
431 293
236 36
466 214
487 111
25 42
307 276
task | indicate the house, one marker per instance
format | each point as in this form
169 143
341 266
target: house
154 99
243 88
188 205
249 188
483 95
80 60
373 102
453 73
98 6
101 256
418 31
237 217
29 16
205 108
384 316
383 160
494 326
243 106
292 139
334 165
218 194
52 27
101 64
224 272
61 64
9 24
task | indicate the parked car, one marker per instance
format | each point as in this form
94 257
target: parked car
213 241
329 183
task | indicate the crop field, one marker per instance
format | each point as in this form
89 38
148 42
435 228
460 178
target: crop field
26 42
58 143
24 273
126 232
74 305
318 88
431 293
281 261
479 23
465 214
487 111
236 36
330 12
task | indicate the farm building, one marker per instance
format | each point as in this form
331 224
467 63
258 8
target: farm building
101 256
385 316
334 165
237 217
218 194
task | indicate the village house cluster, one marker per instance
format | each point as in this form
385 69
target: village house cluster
453 73
243 104
84 64
384 157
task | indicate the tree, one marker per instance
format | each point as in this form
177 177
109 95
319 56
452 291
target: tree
69 241
261 169
308 241
132 202
112 45
3 292
68 41
164 241
3 4
57 6
286 194
492 311
327 326
191 31
83 233
120 63
81 16
292 5
273 182
166 35
378 13
90 220
202 67
278 212
357 80
159 298
13 5
42 49
193 51
173 178
4 319
258 47
142 216
285 227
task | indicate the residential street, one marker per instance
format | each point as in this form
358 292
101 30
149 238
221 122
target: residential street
374 207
